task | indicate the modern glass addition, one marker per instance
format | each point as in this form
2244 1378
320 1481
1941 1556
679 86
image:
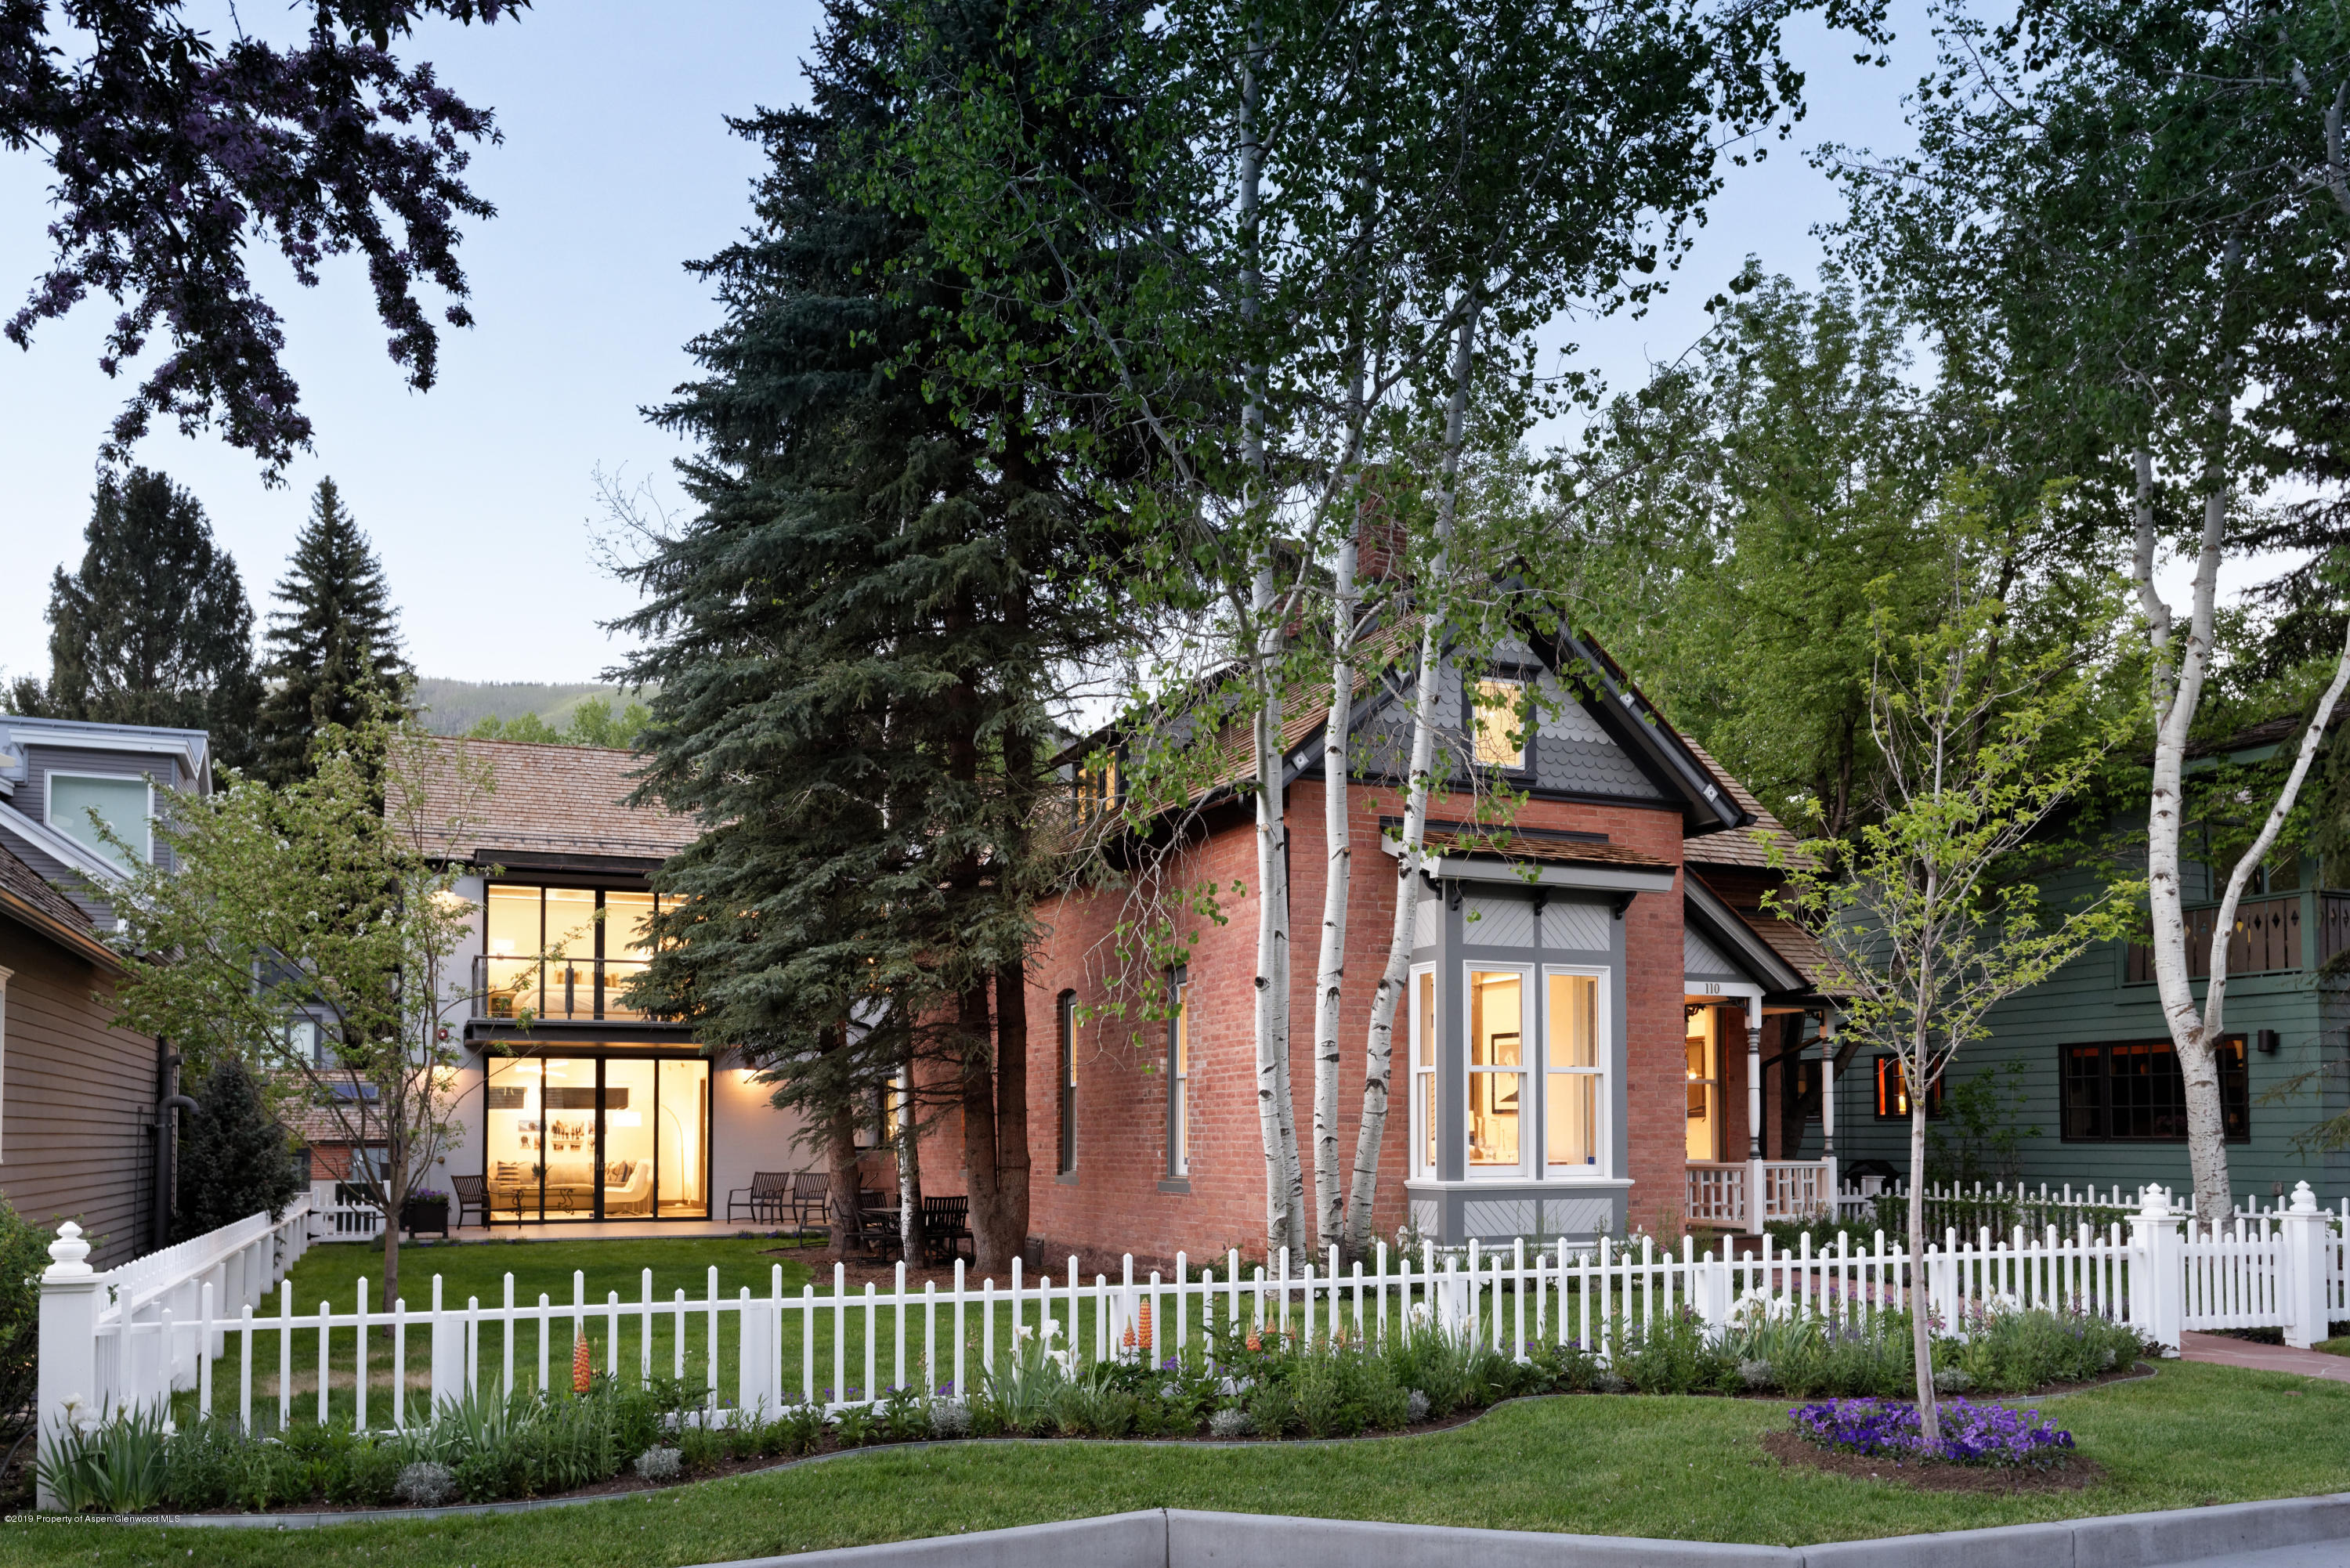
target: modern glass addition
564 952
582 1137
125 806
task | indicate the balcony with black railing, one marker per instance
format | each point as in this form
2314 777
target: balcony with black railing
555 990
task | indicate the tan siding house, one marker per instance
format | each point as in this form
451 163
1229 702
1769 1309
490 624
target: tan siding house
76 1093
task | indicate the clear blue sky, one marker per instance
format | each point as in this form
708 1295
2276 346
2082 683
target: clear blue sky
616 167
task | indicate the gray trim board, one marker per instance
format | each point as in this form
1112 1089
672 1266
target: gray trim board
1719 922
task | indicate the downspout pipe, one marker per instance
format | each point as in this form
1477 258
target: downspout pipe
166 1138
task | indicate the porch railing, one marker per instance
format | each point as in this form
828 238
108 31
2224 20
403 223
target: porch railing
2265 939
1792 1190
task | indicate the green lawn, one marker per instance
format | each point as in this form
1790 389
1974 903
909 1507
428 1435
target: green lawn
1685 1468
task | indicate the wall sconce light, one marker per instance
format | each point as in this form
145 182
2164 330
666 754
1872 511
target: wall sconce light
2266 1040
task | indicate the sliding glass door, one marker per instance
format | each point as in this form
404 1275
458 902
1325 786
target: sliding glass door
585 1137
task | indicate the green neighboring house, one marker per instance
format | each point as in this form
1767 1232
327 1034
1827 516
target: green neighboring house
2084 1086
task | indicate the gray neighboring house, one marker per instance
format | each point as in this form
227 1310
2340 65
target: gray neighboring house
83 1131
55 772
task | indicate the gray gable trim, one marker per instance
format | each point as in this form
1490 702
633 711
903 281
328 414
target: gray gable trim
1642 732
1707 918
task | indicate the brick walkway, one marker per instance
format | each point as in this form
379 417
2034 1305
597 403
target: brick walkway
2222 1351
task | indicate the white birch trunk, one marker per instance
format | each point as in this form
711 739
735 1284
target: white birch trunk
1330 973
1378 1056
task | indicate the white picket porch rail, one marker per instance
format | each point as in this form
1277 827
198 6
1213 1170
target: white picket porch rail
134 1336
1792 1190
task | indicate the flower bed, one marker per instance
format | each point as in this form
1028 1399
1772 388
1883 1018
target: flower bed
1971 1434
598 1434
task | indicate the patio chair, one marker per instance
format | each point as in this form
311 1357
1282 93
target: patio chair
946 1227
765 1197
473 1193
811 1198
869 1229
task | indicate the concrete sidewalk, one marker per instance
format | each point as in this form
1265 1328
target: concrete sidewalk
2222 1351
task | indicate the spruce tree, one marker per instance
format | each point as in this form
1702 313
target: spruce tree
154 627
335 646
234 1159
853 644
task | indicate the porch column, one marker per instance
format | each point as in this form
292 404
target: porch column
1828 1109
1756 1201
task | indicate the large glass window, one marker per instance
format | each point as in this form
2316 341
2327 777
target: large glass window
1497 1078
564 952
1179 1078
682 1160
2132 1091
582 1138
123 805
1423 1070
1576 1070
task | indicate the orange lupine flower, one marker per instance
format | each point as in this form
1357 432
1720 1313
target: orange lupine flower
579 1366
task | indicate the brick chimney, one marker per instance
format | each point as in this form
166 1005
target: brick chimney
1382 543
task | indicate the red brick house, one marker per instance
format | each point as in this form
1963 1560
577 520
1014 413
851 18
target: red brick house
1598 1003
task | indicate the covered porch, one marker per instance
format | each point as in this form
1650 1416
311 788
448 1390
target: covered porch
1740 987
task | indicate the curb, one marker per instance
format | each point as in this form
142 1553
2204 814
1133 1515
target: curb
1182 1538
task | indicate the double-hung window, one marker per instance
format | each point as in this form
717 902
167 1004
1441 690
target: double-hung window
1179 1078
1066 1012
1575 1071
1497 1070
1422 1026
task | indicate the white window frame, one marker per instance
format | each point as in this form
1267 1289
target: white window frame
1421 1103
146 822
1603 1053
1529 1069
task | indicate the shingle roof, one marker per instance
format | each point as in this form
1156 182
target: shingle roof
1738 846
550 799
23 885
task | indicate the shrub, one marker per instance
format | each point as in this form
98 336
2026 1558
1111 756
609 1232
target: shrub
660 1465
1672 1353
1271 1409
424 1484
1971 1434
950 1419
23 1253
1415 1408
700 1448
855 1426
234 1159
1230 1422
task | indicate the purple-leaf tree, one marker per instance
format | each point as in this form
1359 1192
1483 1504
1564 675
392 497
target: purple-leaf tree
172 152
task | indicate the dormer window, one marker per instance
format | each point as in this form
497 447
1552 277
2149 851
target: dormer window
1497 722
1098 785
125 806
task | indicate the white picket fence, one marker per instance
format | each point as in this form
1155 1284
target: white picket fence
136 1336
1967 1208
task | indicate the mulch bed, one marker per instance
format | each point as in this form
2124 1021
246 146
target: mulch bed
1931 1475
